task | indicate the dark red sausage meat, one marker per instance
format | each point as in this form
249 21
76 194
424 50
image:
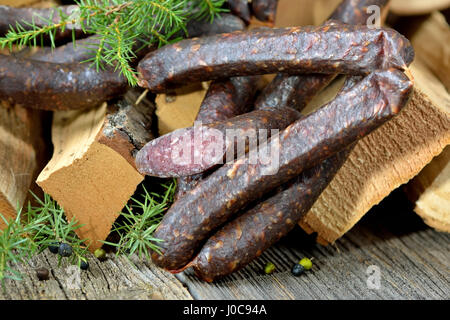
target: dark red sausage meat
327 49
305 143
195 149
246 237
51 86
265 10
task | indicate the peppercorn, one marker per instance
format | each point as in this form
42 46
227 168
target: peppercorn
306 263
84 265
65 250
54 247
42 274
297 269
269 268
100 254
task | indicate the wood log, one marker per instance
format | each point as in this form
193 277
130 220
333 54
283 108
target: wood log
417 7
430 191
430 37
92 173
385 159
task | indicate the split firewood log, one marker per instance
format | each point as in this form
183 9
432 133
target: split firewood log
430 192
92 173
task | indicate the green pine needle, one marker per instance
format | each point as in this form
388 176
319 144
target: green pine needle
122 27
32 231
140 220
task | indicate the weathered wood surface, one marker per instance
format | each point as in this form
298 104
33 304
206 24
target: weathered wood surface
115 279
413 260
92 173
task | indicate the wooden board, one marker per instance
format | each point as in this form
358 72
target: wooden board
385 159
412 259
22 155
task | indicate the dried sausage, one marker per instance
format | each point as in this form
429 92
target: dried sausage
193 150
223 100
296 91
265 10
305 143
327 49
51 86
241 9
246 237
10 16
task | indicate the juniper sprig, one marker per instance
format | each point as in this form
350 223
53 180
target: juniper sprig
140 220
121 27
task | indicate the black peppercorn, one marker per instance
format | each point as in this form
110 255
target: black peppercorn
297 269
54 247
65 250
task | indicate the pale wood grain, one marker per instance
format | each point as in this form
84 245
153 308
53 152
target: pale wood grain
385 159
22 155
413 261
113 279
431 39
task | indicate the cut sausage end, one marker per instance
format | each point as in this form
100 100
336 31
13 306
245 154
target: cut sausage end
182 152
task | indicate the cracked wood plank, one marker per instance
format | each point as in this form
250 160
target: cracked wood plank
412 258
113 279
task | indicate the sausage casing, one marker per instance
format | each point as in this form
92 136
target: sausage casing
327 49
305 143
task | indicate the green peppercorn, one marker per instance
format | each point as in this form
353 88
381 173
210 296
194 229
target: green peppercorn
65 250
306 263
297 269
269 268
84 265
42 274
100 254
